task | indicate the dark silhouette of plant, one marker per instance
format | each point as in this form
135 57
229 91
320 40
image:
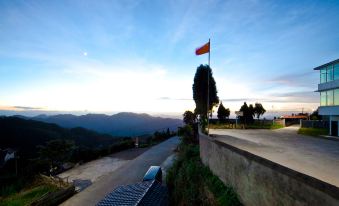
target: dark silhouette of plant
315 115
200 91
259 109
56 152
248 113
223 113
189 117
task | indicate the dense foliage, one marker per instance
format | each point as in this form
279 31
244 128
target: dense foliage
200 90
223 113
259 110
24 135
248 114
189 117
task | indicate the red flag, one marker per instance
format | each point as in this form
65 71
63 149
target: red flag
203 49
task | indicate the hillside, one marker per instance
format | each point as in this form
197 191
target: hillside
25 135
121 124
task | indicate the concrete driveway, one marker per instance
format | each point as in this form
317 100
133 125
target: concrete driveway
312 156
130 173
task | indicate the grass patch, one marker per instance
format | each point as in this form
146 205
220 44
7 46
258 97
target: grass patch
188 179
27 196
276 126
313 131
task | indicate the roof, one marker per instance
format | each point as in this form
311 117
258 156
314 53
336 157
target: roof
150 193
294 117
327 64
152 173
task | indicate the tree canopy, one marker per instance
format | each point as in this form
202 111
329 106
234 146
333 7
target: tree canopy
259 109
223 113
200 90
248 113
189 117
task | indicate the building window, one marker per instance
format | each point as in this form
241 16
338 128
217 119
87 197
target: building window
336 71
323 75
329 97
323 99
329 73
336 97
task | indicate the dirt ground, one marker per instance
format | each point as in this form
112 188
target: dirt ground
84 175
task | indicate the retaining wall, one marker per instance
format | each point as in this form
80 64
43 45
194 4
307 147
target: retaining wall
259 181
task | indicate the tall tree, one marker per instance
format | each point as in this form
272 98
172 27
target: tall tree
248 114
189 117
223 113
259 110
200 91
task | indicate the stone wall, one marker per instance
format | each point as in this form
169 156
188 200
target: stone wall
259 181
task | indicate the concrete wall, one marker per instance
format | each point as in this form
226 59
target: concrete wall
261 182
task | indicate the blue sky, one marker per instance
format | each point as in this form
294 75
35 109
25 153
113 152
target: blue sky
111 56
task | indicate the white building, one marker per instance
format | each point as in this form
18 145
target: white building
329 94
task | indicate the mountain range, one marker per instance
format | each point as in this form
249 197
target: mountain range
120 124
24 135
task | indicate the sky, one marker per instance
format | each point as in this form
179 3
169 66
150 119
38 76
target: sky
85 56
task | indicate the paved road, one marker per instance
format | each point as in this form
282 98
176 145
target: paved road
312 156
129 173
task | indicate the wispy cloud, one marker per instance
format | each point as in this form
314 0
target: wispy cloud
27 108
297 79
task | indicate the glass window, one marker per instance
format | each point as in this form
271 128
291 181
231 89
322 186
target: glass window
330 97
336 71
329 73
322 98
323 75
336 97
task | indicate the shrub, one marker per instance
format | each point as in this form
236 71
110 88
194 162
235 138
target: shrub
188 178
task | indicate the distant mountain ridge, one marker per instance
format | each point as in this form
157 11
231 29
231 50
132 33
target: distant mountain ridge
120 124
25 135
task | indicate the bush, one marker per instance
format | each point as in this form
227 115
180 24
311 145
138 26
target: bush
189 134
188 178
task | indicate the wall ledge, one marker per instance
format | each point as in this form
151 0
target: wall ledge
320 185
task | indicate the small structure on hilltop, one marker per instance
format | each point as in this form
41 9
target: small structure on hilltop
294 118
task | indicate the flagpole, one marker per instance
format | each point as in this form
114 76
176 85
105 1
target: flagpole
208 85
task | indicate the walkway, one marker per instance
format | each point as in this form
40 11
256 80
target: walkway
312 156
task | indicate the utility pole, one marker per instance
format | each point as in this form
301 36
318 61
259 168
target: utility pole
208 86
